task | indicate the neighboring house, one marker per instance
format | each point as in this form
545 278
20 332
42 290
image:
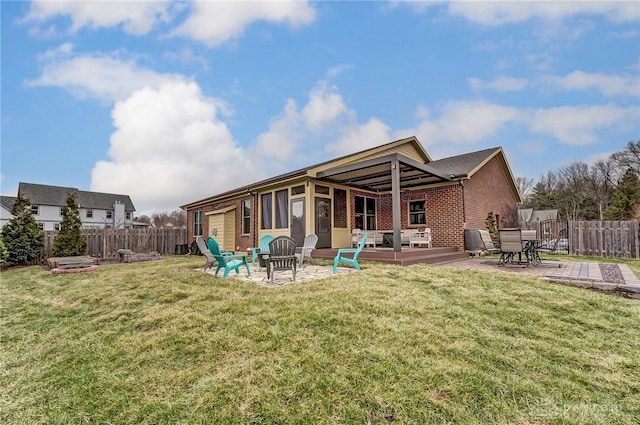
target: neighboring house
6 204
97 210
391 187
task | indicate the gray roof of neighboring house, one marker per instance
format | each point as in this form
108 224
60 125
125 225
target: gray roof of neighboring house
528 215
7 201
40 194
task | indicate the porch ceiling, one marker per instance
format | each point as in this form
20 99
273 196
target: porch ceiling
375 174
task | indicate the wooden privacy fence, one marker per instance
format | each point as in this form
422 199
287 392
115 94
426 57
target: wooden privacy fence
105 243
605 238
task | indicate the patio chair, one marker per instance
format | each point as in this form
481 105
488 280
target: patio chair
340 258
227 262
489 246
510 245
260 250
204 249
310 242
282 256
420 237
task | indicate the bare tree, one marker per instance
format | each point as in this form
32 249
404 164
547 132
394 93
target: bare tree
629 157
525 187
177 218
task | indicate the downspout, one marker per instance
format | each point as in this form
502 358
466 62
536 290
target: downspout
255 218
464 212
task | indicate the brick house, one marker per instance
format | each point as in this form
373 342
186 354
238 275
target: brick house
395 187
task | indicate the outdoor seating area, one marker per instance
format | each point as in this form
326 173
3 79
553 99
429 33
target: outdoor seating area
279 260
520 247
384 238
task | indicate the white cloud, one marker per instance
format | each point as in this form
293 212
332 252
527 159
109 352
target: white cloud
101 77
463 122
606 84
324 106
216 22
169 148
507 12
500 84
334 71
578 125
360 137
135 17
325 113
282 138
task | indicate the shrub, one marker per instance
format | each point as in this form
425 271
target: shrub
22 237
3 252
69 241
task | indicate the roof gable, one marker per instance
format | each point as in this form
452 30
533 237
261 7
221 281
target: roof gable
410 147
466 165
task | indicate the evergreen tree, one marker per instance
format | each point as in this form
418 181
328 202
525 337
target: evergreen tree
22 237
4 254
626 197
69 241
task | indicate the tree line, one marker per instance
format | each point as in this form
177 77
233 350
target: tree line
177 218
608 189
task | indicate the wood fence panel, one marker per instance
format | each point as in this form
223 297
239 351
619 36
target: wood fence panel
105 243
605 238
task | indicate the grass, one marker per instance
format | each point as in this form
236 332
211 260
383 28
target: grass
162 343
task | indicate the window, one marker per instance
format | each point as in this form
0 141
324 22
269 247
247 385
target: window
282 209
365 213
109 214
56 226
267 212
197 223
323 190
35 209
128 215
417 213
297 190
246 217
89 213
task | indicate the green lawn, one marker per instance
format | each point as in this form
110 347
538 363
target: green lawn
162 343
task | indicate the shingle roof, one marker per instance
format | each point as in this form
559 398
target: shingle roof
40 194
463 165
7 201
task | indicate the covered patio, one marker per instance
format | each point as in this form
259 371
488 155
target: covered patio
392 173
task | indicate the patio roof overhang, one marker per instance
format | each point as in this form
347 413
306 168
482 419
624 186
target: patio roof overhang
377 175
390 173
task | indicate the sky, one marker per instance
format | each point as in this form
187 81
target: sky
171 102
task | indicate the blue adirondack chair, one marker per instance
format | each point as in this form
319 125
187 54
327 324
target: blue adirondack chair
264 249
340 258
227 262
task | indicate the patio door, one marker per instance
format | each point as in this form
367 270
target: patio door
323 222
298 230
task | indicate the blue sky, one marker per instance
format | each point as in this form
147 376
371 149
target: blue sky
171 102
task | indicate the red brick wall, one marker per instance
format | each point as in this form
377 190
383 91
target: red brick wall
444 213
488 191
